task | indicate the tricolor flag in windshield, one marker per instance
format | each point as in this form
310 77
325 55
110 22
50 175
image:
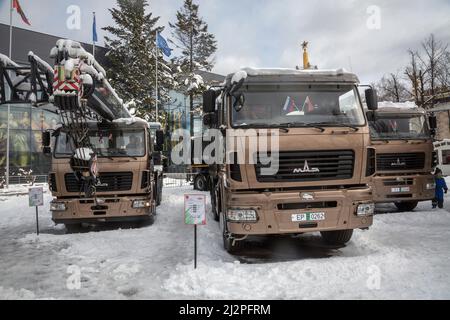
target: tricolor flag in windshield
308 106
16 5
290 105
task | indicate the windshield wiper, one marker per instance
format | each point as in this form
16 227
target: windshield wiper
302 124
261 126
340 125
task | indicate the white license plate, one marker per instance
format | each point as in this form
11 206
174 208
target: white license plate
400 190
311 216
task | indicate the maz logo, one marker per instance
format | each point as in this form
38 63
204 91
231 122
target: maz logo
398 163
306 169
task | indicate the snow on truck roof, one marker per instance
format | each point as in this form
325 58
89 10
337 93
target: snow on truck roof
292 75
399 107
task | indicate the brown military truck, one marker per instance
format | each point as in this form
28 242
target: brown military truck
403 143
125 188
324 163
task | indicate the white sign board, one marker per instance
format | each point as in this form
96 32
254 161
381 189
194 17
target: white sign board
36 197
195 209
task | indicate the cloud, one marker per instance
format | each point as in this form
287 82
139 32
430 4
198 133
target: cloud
268 33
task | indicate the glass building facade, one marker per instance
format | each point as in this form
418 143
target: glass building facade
26 126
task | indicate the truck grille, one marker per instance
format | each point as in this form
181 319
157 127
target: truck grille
111 181
402 161
295 166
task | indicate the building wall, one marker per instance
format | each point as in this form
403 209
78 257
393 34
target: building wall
443 121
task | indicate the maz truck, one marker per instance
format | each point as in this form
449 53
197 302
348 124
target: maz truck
126 189
325 161
403 144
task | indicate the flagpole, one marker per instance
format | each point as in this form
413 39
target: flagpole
8 112
93 41
156 86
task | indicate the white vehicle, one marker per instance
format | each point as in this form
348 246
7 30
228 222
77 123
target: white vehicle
442 149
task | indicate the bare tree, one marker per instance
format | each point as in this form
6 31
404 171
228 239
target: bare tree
392 88
433 62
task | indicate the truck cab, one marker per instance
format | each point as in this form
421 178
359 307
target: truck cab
322 181
403 145
125 188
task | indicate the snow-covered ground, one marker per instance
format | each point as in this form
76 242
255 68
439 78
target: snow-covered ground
404 255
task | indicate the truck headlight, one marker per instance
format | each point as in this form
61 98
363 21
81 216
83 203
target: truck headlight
58 206
242 215
139 204
367 209
431 186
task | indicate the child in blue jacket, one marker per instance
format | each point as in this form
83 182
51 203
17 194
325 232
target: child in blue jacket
441 188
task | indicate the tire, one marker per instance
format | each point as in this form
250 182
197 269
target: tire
340 237
215 203
406 206
228 239
146 222
200 183
73 228
158 191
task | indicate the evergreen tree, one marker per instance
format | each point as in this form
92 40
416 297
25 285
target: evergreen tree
197 47
132 57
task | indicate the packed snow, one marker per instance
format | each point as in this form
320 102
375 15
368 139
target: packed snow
403 256
399 105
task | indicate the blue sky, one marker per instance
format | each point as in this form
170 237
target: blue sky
268 33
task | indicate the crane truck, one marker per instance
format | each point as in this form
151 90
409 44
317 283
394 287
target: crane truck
102 157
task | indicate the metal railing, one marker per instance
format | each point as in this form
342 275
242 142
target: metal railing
18 180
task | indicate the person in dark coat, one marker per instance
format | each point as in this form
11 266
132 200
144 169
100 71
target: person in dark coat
441 188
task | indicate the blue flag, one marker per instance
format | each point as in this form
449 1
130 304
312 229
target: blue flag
162 44
94 30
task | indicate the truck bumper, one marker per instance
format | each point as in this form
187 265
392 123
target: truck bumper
388 189
275 211
105 210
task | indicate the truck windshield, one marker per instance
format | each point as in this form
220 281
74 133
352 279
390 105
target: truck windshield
107 143
299 106
396 127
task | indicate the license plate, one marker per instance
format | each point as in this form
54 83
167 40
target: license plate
312 216
400 190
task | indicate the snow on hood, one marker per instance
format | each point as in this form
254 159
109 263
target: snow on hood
83 154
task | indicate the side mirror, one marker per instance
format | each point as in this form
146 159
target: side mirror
239 102
209 120
46 139
371 99
433 122
156 156
371 116
209 101
159 140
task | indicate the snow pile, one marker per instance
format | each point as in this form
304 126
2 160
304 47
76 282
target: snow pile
284 71
11 294
387 262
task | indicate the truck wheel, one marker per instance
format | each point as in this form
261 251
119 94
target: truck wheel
340 237
200 183
228 239
73 228
215 203
406 206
